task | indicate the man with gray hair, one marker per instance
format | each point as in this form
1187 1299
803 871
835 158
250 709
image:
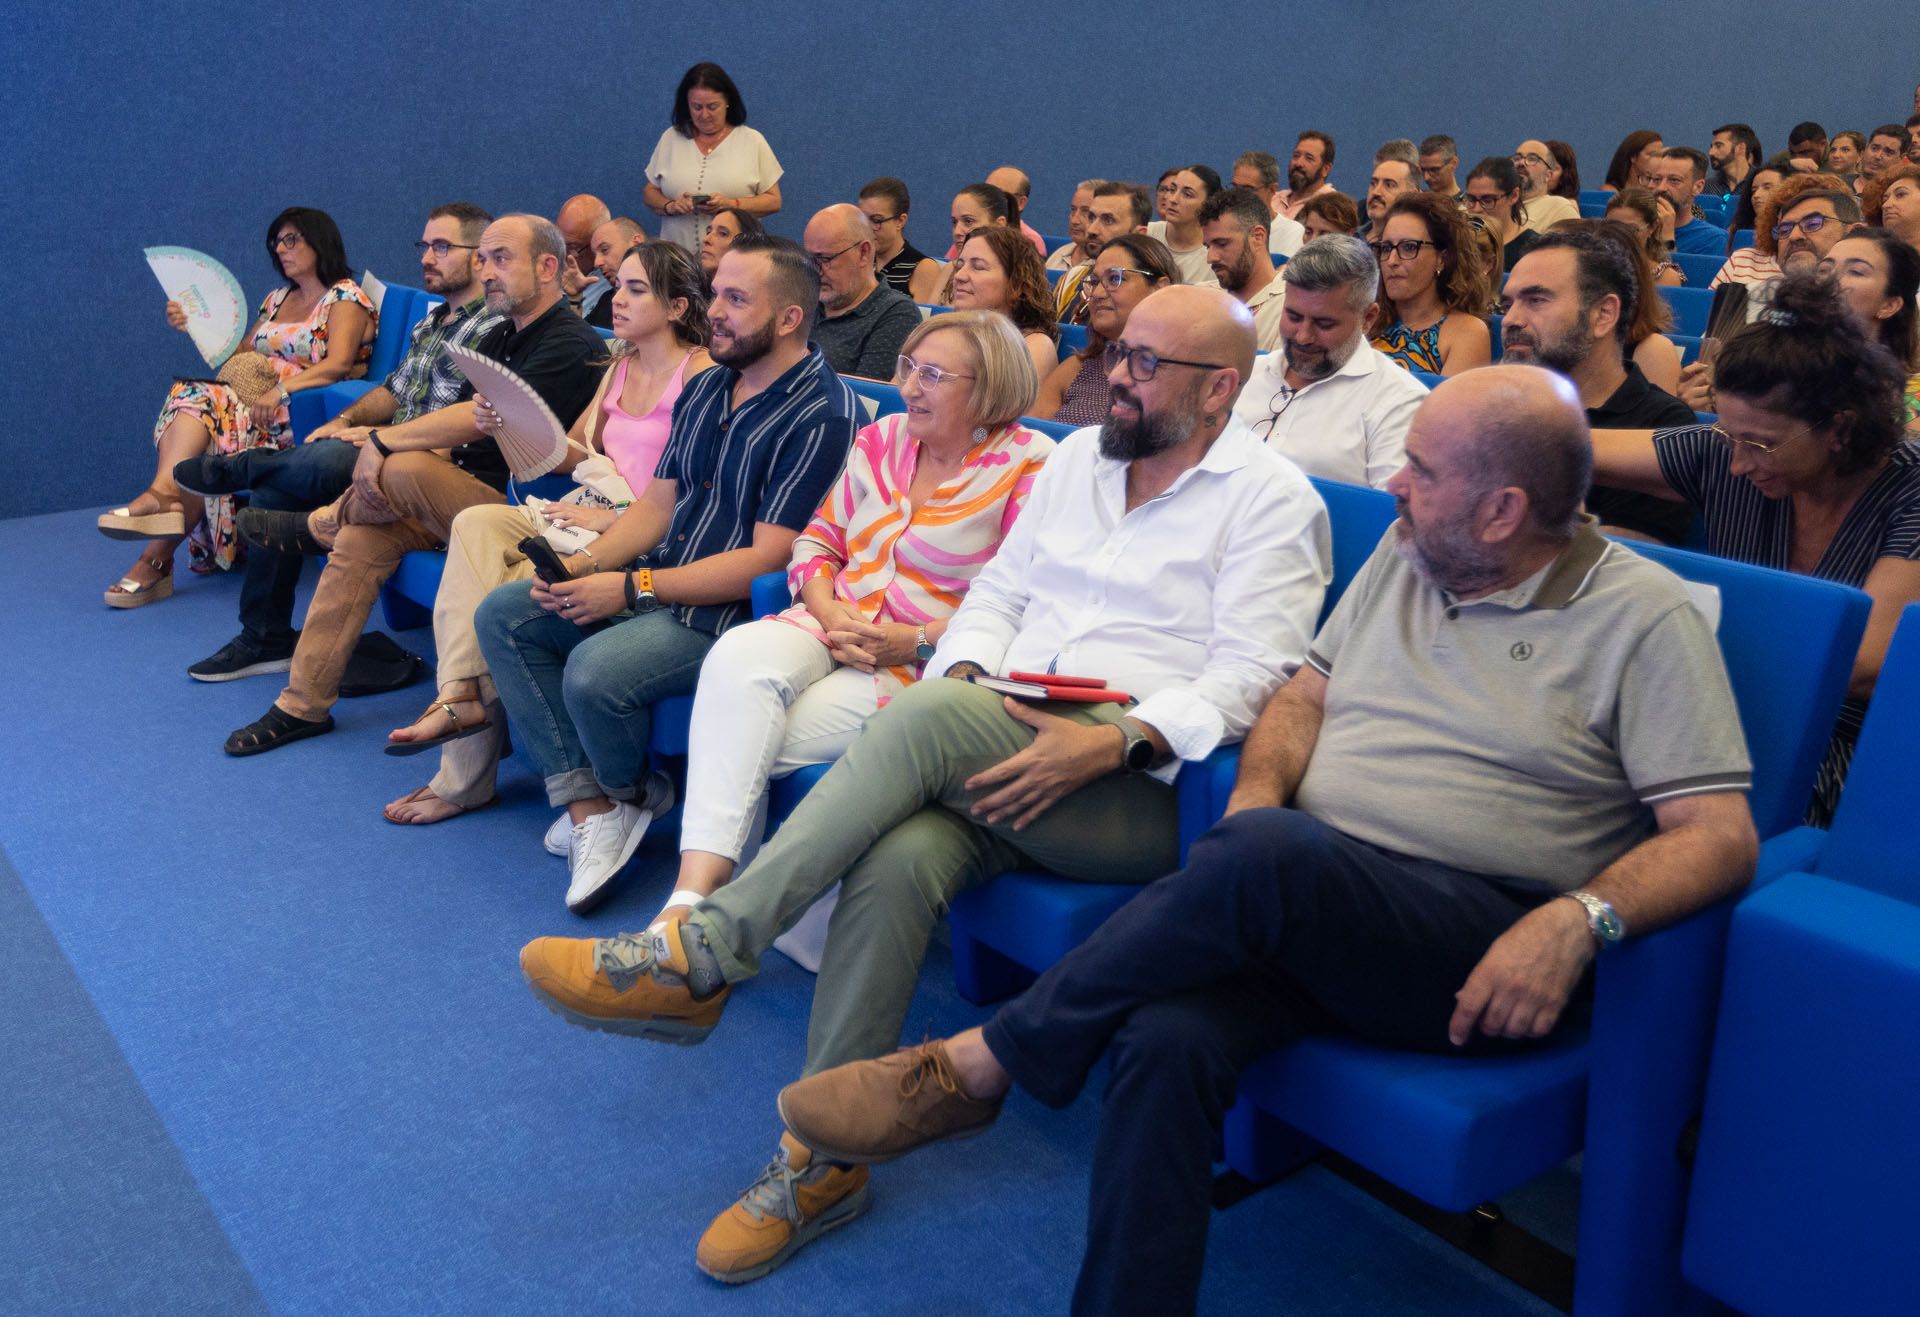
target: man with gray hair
1399 148
1329 400
1430 880
1438 157
411 480
862 321
1259 172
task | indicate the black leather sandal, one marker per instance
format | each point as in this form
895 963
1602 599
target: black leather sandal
272 730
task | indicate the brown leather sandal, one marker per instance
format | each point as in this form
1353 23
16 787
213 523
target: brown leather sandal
123 524
400 749
129 593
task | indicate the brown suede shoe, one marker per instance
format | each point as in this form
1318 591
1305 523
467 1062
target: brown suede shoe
873 1111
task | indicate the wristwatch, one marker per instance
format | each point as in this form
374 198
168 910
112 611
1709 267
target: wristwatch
1602 920
1137 755
640 595
922 647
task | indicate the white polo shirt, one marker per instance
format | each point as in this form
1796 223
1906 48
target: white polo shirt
1285 235
1350 427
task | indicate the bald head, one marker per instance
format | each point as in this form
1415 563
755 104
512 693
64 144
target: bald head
580 217
1196 324
1517 426
839 225
1014 183
611 242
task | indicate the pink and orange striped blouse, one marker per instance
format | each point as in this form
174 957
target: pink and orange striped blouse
893 562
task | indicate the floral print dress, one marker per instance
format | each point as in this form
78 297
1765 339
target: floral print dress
292 346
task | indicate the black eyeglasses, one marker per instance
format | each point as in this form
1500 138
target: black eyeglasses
822 262
1406 249
1143 363
440 247
1277 405
1472 202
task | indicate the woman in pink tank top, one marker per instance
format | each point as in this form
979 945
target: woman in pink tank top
660 334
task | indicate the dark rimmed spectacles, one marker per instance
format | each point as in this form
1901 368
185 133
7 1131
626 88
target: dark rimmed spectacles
440 247
1144 363
1407 249
822 262
1812 224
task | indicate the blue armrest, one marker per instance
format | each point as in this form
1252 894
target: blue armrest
770 594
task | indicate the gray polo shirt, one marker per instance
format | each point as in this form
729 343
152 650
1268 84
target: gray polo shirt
866 340
1525 734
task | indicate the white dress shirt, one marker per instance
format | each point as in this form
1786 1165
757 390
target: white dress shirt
1199 603
1350 427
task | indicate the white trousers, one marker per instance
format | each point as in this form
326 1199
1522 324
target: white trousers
770 700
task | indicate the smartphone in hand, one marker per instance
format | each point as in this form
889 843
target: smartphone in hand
546 563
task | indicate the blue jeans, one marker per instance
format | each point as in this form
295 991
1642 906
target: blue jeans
1278 926
296 479
581 696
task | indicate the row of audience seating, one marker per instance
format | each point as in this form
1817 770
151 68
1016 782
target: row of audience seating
1458 1132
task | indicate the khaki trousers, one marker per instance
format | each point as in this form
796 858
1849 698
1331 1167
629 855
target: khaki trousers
426 492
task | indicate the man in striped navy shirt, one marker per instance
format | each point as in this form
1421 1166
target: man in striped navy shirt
755 445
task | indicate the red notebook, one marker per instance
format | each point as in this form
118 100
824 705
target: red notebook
1052 686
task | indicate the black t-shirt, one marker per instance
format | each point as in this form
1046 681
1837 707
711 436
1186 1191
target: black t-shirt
560 358
1519 245
1637 405
897 273
600 315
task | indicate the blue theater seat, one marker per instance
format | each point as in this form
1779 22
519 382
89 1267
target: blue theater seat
1072 339
1742 238
1689 345
1020 923
400 310
1458 1131
1804 1190
1699 269
1495 325
1690 308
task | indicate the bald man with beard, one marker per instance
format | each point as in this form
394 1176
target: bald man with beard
1511 745
1169 553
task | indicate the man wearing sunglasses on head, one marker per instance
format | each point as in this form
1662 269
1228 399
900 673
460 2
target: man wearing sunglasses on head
1169 554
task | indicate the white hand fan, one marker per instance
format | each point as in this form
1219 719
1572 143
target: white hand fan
531 437
216 308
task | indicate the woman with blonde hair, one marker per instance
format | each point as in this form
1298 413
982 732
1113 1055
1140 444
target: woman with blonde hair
926 498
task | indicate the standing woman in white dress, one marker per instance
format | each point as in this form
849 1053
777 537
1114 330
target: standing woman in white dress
709 160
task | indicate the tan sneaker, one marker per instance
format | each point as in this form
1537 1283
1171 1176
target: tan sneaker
795 1199
617 985
873 1111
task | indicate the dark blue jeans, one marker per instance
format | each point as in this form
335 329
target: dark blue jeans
296 479
1278 926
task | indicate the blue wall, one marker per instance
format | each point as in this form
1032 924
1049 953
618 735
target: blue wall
193 123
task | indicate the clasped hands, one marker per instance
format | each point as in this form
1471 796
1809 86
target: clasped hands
867 646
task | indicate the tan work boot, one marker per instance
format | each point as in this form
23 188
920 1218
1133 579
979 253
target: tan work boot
873 1111
798 1197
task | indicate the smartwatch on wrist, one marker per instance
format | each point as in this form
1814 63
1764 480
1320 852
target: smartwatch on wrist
1602 920
1136 756
922 647
373 438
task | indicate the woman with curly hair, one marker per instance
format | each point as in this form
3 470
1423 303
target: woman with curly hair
1435 288
999 270
1804 472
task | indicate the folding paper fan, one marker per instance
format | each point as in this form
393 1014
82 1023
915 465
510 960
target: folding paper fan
531 437
216 308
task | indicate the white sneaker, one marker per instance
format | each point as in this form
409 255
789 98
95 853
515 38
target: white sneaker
602 845
559 838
